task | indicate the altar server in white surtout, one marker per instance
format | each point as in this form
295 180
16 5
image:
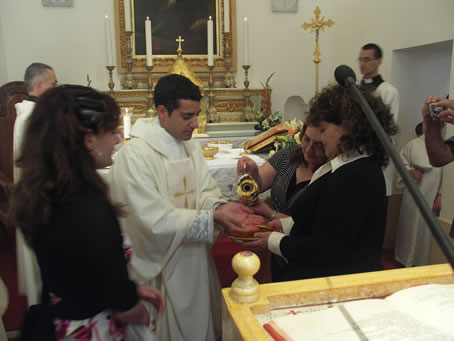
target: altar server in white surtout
37 79
370 59
413 240
173 209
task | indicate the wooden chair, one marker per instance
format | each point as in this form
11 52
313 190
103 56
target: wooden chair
10 94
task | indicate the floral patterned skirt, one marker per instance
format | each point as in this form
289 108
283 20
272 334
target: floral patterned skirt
101 327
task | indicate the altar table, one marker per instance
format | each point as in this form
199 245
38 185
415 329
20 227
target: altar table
223 169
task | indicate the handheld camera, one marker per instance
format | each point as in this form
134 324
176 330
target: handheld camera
434 111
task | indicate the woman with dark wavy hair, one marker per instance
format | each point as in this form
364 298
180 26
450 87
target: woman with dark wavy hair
339 222
63 209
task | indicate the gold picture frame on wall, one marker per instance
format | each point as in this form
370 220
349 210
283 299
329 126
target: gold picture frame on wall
186 16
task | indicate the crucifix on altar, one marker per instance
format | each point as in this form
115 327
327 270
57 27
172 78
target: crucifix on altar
316 25
179 41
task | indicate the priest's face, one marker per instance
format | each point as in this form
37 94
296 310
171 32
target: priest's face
182 121
368 63
330 135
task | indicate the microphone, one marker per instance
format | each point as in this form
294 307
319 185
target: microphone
345 76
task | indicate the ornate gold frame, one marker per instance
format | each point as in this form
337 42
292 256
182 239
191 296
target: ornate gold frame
162 64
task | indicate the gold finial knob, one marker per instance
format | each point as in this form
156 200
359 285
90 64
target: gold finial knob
245 288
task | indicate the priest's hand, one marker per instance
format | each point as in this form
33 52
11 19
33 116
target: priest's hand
153 296
237 218
261 244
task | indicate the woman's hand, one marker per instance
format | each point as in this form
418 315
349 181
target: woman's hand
136 315
261 244
153 296
262 209
276 225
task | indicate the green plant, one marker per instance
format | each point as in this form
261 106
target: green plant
265 118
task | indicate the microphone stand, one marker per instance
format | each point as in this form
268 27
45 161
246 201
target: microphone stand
429 217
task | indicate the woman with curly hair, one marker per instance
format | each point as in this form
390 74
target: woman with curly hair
63 209
339 222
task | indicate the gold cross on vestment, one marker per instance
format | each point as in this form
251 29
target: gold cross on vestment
316 25
185 193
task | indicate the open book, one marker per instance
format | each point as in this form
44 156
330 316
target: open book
265 139
424 312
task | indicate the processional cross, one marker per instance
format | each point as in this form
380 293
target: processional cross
316 25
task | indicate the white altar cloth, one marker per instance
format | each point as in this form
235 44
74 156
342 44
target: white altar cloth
223 169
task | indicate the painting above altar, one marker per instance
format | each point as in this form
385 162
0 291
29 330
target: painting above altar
186 18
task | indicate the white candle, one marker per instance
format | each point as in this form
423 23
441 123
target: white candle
226 16
210 41
127 7
126 124
108 37
148 42
245 42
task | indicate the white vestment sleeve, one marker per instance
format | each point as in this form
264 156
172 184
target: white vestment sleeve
201 230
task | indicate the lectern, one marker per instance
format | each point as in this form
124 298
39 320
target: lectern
239 321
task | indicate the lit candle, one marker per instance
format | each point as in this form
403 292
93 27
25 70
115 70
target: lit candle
148 42
210 41
108 37
127 7
126 124
226 16
245 42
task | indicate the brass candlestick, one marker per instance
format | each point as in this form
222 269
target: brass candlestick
228 81
247 116
129 82
212 114
111 82
150 112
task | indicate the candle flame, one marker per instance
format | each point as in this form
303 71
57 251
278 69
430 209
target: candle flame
107 17
148 18
209 18
245 18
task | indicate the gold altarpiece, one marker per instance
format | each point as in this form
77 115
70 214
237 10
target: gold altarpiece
229 102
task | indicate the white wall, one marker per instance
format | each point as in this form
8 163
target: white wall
72 41
418 72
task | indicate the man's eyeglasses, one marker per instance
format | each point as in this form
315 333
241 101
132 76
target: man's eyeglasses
316 146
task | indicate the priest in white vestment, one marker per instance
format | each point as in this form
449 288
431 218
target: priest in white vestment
172 205
370 58
414 238
38 78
